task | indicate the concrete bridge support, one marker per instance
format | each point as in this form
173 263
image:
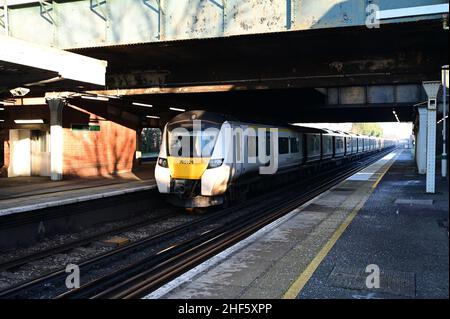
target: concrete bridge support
56 106
431 89
421 141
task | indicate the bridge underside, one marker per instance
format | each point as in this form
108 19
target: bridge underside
287 76
284 105
277 76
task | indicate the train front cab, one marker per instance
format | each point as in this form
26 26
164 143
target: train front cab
189 176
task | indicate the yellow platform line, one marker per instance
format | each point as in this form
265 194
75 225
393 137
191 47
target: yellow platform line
304 277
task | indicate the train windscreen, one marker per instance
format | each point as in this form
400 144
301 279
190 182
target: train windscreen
189 139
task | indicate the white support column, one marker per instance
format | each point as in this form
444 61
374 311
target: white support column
56 106
432 89
421 141
444 120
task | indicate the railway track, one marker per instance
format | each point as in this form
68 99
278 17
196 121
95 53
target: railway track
161 257
20 261
137 280
54 279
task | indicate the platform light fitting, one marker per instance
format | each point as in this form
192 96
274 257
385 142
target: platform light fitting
117 97
177 109
34 121
396 116
95 98
19 91
142 104
446 117
6 103
2 109
153 117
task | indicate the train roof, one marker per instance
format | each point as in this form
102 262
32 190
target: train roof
306 129
219 118
333 133
213 117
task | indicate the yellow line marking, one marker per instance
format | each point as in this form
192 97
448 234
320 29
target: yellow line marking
304 277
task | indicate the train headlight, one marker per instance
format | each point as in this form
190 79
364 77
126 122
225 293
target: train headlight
215 163
163 162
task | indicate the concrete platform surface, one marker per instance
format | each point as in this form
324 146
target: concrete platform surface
310 253
21 194
403 231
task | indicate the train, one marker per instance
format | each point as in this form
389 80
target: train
209 159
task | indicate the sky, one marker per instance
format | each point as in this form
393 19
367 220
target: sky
397 130
391 129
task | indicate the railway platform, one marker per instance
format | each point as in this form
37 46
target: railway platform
375 235
34 208
25 194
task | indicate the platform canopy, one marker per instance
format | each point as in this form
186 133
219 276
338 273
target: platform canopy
26 64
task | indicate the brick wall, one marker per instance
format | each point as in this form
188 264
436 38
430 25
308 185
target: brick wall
86 153
103 153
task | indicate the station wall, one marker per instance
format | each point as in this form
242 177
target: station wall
108 151
93 146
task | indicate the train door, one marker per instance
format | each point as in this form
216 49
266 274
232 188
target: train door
238 153
354 145
284 156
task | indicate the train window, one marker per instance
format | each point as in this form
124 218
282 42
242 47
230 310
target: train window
313 142
310 143
339 144
327 144
294 144
283 145
183 141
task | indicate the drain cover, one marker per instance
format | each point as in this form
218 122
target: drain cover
391 282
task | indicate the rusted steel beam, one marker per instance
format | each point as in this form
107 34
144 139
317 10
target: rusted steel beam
89 23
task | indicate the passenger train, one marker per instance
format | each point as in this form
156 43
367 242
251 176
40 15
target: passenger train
208 159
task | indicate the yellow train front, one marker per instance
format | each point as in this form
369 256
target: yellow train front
190 169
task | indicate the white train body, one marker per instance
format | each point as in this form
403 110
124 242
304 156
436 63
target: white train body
220 165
